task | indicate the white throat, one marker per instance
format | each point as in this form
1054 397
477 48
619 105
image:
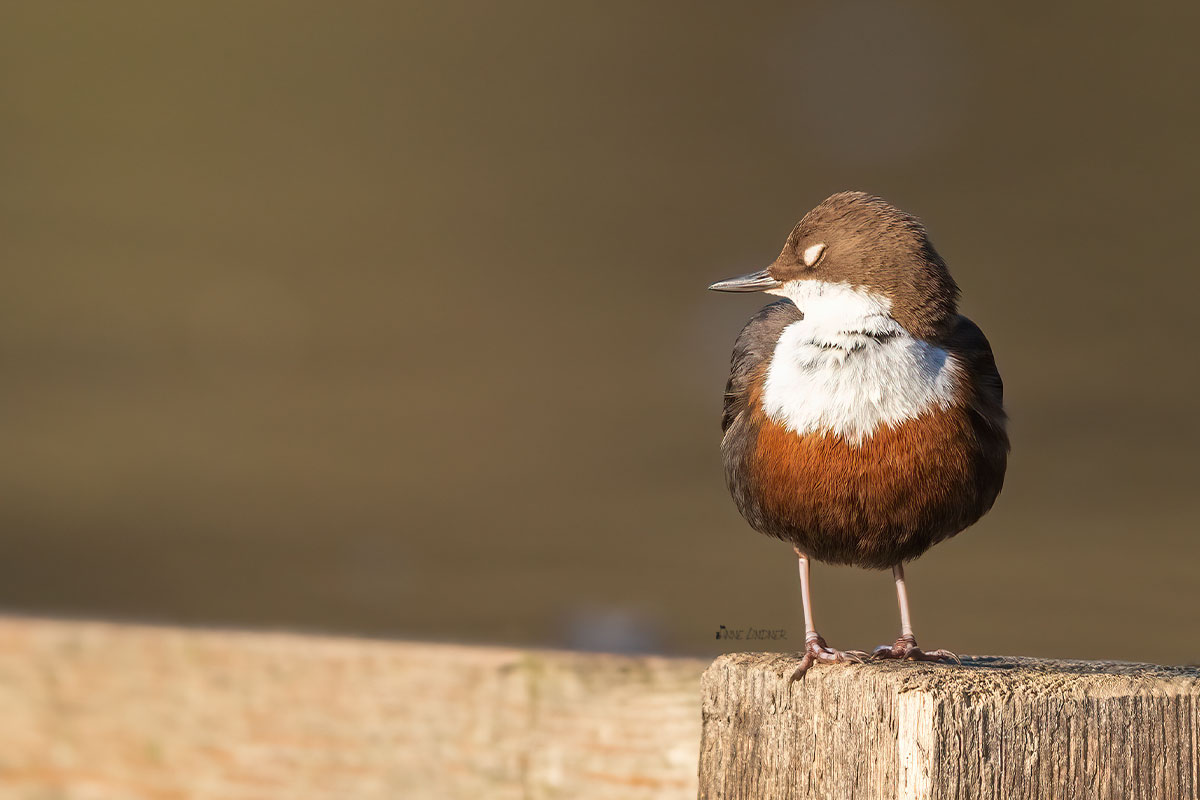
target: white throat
849 367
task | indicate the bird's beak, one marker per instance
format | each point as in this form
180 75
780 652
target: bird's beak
750 282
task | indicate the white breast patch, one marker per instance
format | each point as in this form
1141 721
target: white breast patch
848 367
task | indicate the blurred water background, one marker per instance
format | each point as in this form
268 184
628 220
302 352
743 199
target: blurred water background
389 317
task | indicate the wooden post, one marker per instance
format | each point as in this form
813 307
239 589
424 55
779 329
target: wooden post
93 710
992 729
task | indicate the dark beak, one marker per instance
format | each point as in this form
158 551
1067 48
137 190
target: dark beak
751 282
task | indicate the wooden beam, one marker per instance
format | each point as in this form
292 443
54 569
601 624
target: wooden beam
94 710
992 729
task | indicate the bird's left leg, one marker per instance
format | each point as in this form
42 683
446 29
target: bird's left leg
906 646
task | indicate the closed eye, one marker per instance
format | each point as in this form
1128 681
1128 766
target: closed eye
812 254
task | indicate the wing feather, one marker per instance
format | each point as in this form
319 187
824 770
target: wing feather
752 353
967 342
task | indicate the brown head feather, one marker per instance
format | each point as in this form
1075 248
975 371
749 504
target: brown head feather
872 244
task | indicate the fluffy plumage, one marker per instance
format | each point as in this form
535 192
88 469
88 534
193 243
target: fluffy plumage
863 416
847 367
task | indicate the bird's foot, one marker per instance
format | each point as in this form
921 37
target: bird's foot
906 648
815 650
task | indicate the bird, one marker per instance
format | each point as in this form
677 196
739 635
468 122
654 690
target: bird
863 417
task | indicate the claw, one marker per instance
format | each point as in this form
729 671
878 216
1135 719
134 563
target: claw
805 663
816 650
935 655
906 649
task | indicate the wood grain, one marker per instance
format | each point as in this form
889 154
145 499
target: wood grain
1003 728
97 711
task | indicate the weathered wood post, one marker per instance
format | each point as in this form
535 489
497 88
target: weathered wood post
1002 728
94 710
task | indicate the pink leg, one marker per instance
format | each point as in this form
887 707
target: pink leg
815 648
906 646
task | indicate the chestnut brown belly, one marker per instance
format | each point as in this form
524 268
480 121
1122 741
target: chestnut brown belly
875 503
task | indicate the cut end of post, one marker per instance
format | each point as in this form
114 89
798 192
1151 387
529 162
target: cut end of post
994 727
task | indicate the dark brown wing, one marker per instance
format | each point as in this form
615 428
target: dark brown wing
968 344
752 353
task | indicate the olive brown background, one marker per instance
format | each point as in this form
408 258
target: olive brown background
389 318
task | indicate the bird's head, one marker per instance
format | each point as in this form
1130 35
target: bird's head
857 261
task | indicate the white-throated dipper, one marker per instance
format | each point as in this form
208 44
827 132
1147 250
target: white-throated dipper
864 416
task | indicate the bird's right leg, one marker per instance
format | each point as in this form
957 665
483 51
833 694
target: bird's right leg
815 648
